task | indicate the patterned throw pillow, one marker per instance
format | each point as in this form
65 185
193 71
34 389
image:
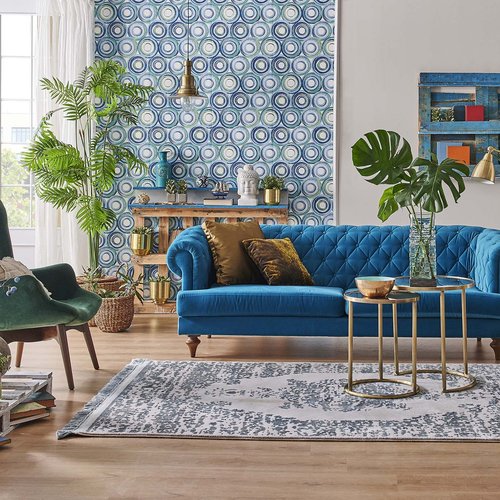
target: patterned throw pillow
11 268
278 261
232 264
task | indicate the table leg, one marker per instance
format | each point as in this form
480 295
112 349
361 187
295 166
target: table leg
442 313
380 341
395 333
464 331
414 346
350 347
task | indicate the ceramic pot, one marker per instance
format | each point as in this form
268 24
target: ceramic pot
272 196
181 198
163 170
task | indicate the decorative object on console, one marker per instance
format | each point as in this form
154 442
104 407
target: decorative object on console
220 190
278 262
442 149
159 289
54 162
181 194
485 170
418 185
117 309
474 113
188 94
141 240
442 114
5 359
272 189
143 198
375 287
202 181
171 189
248 186
163 170
232 264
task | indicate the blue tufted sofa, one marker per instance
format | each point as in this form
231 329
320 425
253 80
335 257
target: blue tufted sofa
335 255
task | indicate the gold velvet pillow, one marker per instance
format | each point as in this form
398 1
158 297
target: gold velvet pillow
278 261
232 264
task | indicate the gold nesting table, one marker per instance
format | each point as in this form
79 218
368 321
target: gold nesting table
394 298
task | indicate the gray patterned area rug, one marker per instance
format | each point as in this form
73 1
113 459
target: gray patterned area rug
232 400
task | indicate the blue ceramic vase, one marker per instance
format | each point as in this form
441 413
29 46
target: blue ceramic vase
163 170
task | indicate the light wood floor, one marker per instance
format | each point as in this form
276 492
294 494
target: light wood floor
36 465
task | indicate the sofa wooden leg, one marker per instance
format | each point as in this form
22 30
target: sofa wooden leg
495 344
192 342
19 353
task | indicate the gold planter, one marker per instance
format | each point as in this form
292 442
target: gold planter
272 196
159 291
141 243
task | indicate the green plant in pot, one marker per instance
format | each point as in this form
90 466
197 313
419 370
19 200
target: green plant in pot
272 189
171 189
417 185
141 240
74 176
159 289
182 188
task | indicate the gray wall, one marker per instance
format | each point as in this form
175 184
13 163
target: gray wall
383 46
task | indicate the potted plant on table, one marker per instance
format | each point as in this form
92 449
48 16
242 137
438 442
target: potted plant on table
171 189
159 289
417 185
74 175
182 188
117 309
141 240
272 189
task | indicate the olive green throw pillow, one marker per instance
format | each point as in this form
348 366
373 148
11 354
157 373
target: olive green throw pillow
278 261
232 264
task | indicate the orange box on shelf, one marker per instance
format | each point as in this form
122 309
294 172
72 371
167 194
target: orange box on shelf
459 153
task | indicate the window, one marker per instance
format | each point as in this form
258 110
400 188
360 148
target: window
16 116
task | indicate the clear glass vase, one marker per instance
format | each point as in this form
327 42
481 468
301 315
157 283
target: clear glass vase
422 250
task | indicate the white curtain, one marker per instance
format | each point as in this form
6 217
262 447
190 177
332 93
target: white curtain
64 46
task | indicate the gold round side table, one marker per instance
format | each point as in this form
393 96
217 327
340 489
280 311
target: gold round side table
394 298
444 284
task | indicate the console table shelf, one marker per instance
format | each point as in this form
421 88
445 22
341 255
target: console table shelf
187 214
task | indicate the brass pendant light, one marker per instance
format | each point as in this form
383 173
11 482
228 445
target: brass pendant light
188 95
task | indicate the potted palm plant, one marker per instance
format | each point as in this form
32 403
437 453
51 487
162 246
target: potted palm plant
141 240
272 189
159 289
417 185
75 176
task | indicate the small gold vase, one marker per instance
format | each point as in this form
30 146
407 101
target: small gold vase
159 291
272 196
141 243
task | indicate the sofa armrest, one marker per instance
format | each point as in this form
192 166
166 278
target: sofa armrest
59 280
189 256
487 261
31 307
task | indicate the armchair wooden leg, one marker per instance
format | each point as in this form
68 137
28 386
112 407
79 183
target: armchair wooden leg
63 344
19 353
192 342
90 345
495 344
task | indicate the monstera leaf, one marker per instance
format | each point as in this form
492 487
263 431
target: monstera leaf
382 157
434 178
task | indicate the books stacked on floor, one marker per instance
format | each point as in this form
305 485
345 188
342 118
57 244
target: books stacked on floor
36 406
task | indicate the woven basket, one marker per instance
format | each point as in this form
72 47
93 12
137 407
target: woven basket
115 315
109 283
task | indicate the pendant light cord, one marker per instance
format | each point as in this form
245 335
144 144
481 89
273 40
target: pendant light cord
188 28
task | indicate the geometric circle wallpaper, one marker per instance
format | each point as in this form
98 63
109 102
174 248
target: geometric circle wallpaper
267 68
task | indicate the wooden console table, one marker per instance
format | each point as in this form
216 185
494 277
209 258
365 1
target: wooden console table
187 213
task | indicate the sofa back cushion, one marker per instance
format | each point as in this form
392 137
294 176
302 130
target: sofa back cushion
335 255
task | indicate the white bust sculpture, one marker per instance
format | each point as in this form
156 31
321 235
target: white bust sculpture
248 186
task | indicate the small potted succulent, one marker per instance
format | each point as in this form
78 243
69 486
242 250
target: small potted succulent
171 189
159 289
272 189
141 240
182 188
117 308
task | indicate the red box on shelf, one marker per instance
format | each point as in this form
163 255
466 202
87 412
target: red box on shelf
474 113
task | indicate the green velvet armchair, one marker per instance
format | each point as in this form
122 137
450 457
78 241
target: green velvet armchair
30 315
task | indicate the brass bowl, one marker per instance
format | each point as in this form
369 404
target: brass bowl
375 287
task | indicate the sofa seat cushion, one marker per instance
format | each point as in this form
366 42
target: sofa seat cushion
262 300
480 305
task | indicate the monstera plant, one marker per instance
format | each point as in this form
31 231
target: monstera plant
74 175
418 185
